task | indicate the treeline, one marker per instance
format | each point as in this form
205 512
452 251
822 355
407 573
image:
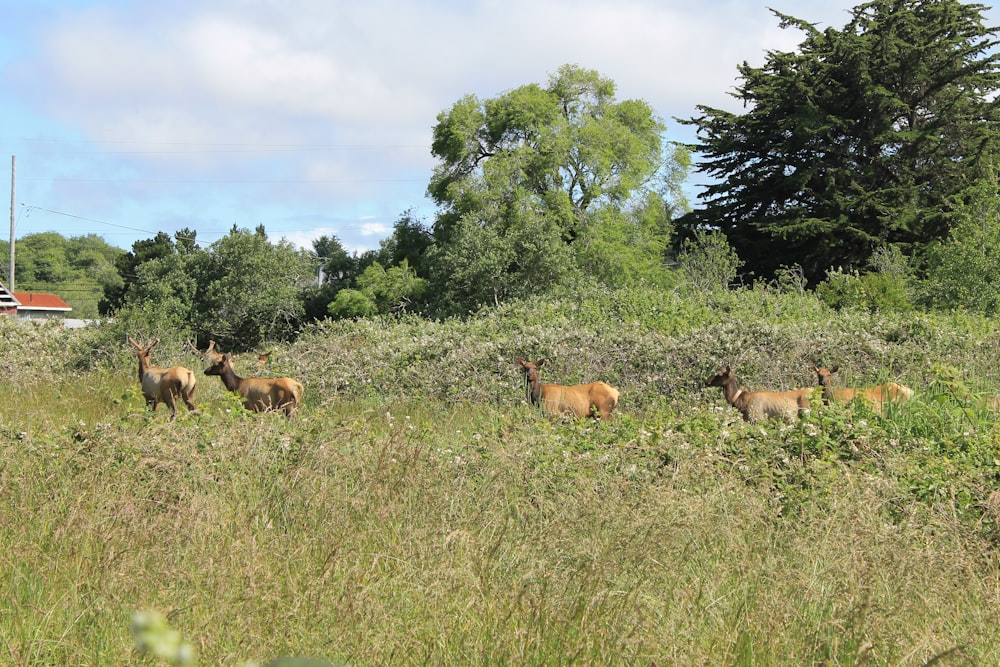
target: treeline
78 269
864 167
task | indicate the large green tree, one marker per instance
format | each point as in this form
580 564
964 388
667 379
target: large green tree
242 291
528 183
249 290
856 141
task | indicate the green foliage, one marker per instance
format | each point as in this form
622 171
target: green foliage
486 263
127 264
872 291
408 243
339 268
859 138
964 270
153 635
707 261
625 248
249 290
241 291
393 290
541 167
352 303
77 269
886 287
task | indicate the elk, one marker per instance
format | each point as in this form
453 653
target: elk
163 384
258 394
596 399
209 355
876 397
757 405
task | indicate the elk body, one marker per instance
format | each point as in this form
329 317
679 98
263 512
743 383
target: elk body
258 394
163 384
876 397
757 405
596 399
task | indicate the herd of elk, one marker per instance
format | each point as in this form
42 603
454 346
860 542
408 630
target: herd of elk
596 399
163 384
756 405
876 397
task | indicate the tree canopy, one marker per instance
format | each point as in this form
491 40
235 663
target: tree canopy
859 139
529 183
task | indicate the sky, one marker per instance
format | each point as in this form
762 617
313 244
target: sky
314 117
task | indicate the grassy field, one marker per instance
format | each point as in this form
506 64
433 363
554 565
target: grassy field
418 511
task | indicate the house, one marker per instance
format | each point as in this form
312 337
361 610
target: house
38 305
32 305
8 304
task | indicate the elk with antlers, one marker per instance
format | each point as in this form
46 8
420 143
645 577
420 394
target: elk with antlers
596 399
876 396
163 384
258 394
756 405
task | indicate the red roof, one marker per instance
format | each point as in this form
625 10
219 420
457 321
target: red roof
40 301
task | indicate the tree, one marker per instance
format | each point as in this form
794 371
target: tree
339 268
249 291
525 176
964 270
380 291
145 250
854 142
408 243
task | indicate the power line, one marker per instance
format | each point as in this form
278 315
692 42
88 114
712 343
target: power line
80 217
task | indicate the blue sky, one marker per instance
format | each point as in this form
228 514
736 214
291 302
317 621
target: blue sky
314 117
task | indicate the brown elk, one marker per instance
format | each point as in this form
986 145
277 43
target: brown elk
876 397
756 405
596 399
258 394
163 384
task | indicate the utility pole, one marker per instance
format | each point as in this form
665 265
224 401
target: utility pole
10 276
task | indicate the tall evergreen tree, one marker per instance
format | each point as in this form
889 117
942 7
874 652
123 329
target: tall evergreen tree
858 140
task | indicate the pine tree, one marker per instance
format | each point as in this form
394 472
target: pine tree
856 141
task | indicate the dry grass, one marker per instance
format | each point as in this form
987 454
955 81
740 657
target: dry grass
423 524
403 533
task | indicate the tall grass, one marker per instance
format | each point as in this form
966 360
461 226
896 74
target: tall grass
419 512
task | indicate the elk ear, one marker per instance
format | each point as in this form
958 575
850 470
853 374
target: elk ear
835 369
539 363
522 363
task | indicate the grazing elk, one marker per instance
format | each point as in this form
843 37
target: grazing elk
258 394
163 384
756 405
596 399
876 397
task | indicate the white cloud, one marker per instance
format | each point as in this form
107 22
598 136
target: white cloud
313 110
